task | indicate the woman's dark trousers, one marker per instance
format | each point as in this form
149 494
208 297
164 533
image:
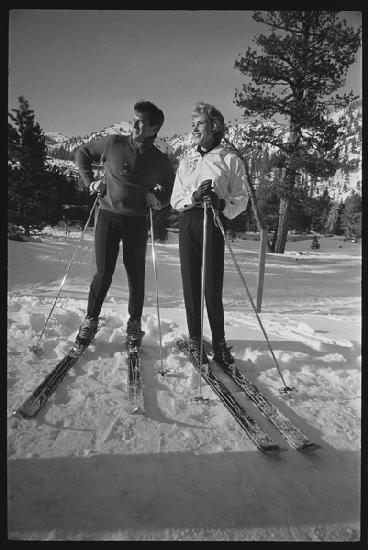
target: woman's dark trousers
190 251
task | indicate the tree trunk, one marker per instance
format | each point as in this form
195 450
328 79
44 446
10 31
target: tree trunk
253 200
274 238
285 196
283 225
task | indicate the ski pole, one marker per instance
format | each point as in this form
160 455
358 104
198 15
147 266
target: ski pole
203 286
285 389
36 348
157 298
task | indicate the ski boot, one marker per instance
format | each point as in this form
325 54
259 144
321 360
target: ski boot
221 354
134 333
87 331
195 351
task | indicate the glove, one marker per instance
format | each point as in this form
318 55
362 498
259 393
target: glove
202 191
212 199
152 201
98 186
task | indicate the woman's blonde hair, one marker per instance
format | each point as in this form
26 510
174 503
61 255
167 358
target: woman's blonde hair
214 116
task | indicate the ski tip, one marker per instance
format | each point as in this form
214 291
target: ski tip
271 448
310 448
16 413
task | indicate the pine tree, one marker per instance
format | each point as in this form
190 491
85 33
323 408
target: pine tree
161 224
304 61
339 228
32 198
236 145
267 200
323 206
331 221
239 223
351 218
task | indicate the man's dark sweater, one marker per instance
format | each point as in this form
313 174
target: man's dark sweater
131 169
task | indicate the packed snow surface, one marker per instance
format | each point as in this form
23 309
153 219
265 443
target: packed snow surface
87 469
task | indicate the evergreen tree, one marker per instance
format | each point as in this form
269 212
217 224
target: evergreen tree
339 229
302 210
161 223
244 153
239 223
304 61
268 201
332 217
351 218
323 206
32 198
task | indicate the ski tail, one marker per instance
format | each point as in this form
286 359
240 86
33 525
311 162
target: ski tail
256 434
293 435
39 397
134 379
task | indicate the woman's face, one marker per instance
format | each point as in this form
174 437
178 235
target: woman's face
202 131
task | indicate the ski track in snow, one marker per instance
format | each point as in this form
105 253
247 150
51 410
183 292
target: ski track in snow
197 475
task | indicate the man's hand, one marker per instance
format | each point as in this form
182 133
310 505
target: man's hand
203 190
152 201
98 186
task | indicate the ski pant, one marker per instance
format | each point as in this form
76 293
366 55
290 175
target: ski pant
110 229
190 252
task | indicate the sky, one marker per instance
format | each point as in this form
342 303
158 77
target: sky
82 70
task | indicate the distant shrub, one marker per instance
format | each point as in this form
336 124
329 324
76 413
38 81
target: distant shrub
15 232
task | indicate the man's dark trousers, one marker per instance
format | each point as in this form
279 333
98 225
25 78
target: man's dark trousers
110 229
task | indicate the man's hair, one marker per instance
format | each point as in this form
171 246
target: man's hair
214 116
155 115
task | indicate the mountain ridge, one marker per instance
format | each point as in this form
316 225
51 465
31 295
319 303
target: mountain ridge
346 180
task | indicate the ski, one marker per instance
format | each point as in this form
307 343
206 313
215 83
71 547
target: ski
256 434
293 435
38 398
134 378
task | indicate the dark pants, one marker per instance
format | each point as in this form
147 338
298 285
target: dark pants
110 230
190 251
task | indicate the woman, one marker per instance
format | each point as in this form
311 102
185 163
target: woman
211 176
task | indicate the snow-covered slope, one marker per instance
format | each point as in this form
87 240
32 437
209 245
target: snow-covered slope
86 469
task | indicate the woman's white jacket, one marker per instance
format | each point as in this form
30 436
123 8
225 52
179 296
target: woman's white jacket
225 170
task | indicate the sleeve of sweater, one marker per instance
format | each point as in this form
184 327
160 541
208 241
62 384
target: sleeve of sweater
88 154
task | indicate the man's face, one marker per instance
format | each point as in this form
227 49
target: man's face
202 132
142 128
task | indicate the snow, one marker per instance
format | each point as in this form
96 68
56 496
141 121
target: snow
87 469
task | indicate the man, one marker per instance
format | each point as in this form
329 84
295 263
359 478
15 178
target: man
133 168
211 176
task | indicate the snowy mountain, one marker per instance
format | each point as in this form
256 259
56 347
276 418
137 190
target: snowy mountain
55 140
347 179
